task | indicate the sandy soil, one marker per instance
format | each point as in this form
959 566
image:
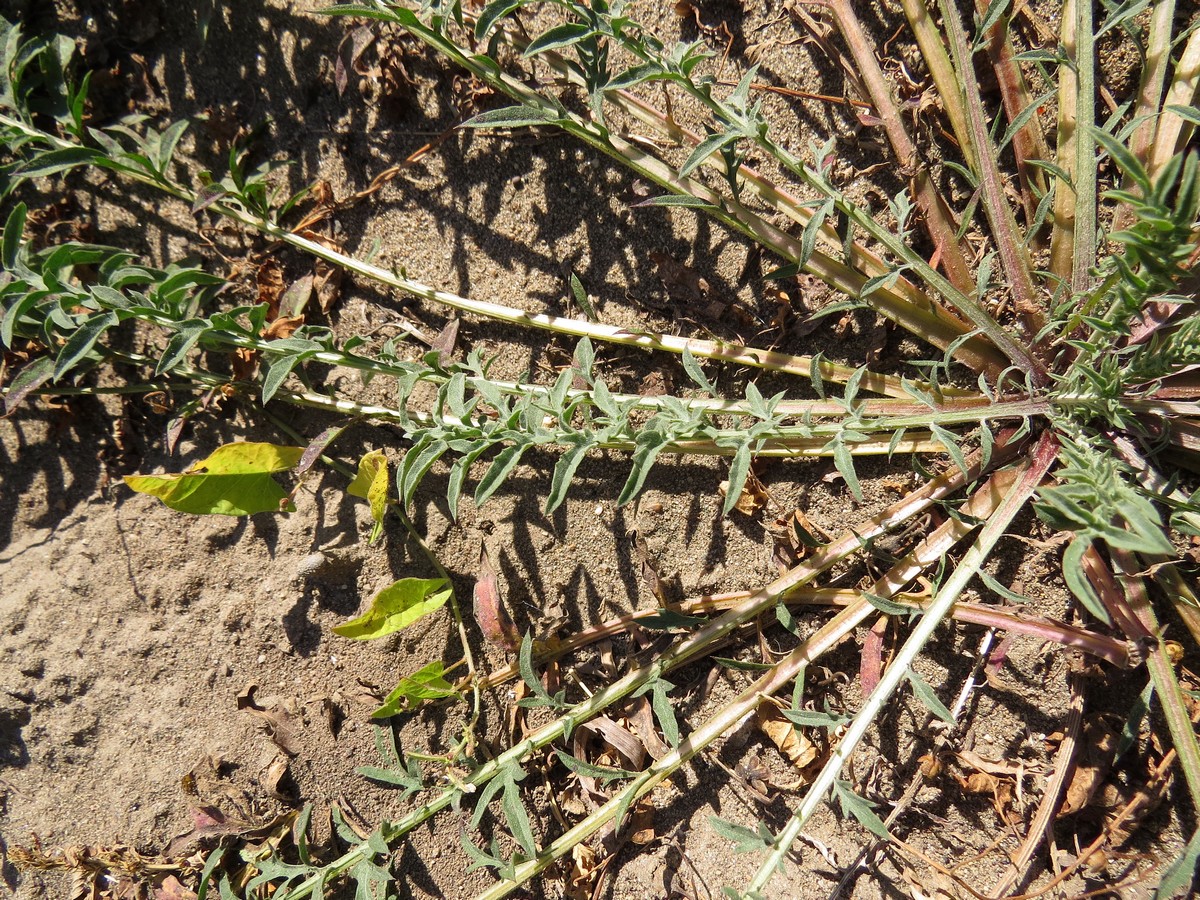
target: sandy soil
129 632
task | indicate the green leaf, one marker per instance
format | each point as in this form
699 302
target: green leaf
605 774
493 13
667 619
80 344
745 840
188 333
685 200
812 718
55 161
398 606
428 683
664 711
1077 581
371 483
692 366
887 607
29 379
1177 880
581 298
558 37
636 75
275 374
647 447
860 809
564 470
514 117
529 676
950 442
926 695
14 227
705 149
234 481
506 460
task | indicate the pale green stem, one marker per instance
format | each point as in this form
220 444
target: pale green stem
936 214
1023 482
933 51
724 721
1173 129
1146 113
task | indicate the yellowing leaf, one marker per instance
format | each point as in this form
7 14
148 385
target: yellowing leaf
427 684
371 483
234 481
397 607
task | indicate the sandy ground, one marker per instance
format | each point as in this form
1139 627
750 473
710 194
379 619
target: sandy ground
129 632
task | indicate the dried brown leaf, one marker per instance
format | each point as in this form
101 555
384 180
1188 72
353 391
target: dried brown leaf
681 282
795 747
279 721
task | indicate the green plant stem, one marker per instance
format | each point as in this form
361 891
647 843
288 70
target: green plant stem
682 652
945 78
1173 129
1022 483
707 349
1062 235
926 323
1028 141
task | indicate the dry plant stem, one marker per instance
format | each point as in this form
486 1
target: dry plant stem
935 214
1062 236
1166 684
1029 141
935 546
1069 636
1009 243
693 646
1085 151
1150 92
933 51
866 856
1158 781
1021 483
1173 129
722 722
1042 825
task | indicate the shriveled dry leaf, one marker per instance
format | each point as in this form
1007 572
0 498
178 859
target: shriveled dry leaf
490 614
795 747
680 281
753 498
447 339
1097 746
172 889
327 282
280 722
